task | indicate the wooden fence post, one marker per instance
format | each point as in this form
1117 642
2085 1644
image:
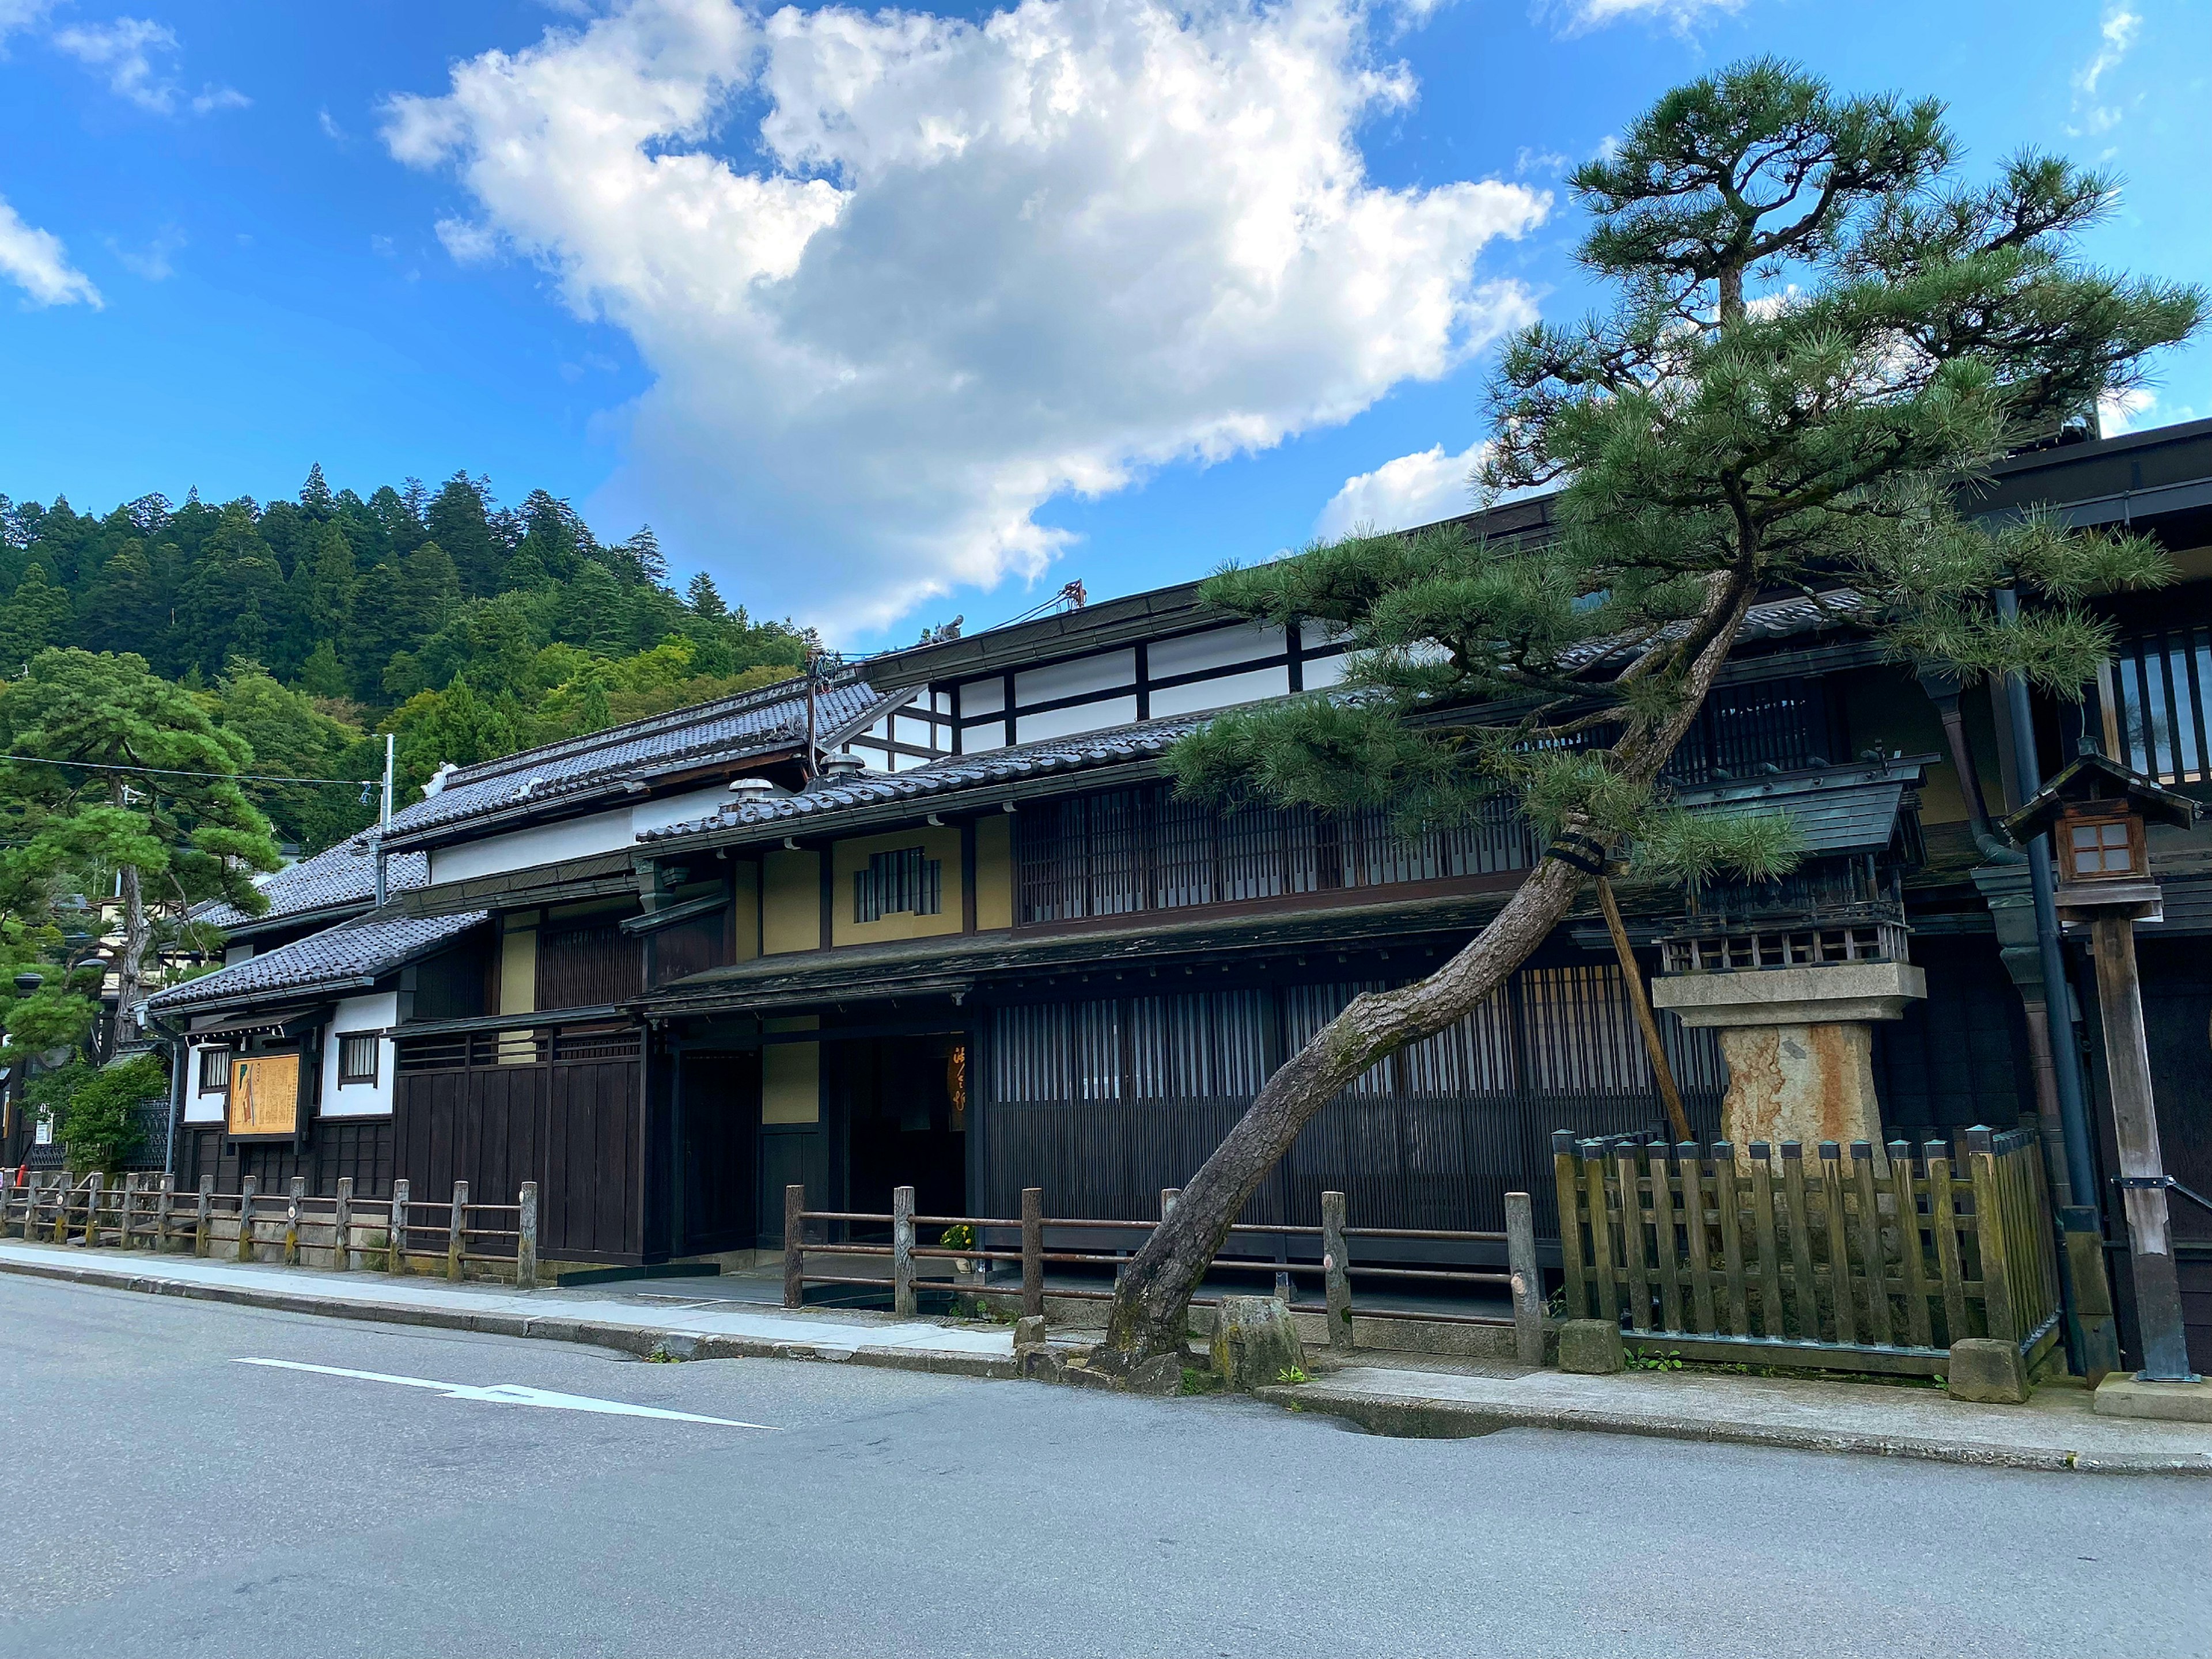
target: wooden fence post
94 1184
1997 1308
395 1238
7 1201
129 1211
1528 1277
902 1251
342 1227
1335 1271
526 1240
203 1217
456 1230
293 1199
248 1189
1032 1252
794 1247
1565 1178
165 1204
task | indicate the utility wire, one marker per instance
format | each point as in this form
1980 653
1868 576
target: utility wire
175 772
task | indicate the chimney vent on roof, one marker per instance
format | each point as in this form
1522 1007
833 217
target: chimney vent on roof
843 767
743 790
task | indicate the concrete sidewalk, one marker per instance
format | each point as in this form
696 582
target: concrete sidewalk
1402 1394
638 1323
2056 1430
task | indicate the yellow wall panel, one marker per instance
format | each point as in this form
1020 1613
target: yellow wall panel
849 858
793 918
994 872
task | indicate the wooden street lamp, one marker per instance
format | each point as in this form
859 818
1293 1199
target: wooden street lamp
2095 812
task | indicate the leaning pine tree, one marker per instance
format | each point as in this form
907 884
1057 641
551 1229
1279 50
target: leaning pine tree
1821 335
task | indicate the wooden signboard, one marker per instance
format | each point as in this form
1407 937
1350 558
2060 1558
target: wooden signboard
264 1095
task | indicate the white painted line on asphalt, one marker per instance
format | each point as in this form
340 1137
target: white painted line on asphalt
512 1394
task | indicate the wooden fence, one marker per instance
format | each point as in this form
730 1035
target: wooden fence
1825 1262
399 1234
1076 1247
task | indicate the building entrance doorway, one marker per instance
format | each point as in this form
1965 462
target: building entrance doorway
901 1108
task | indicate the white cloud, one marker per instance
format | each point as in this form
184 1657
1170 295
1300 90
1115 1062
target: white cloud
2116 36
37 263
2121 412
332 130
151 262
902 279
1580 16
138 57
16 15
1413 489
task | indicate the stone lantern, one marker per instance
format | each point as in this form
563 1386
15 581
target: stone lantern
2095 812
1792 974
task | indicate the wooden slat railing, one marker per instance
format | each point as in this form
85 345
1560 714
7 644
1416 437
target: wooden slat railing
396 1234
1830 1262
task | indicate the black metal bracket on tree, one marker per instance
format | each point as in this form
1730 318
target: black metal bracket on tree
1585 853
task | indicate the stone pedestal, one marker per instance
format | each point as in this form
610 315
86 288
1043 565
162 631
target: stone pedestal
1799 1043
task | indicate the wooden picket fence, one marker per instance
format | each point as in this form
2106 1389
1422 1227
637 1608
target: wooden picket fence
1828 1263
399 1234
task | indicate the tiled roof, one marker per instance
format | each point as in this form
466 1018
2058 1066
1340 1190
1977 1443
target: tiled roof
344 875
1143 741
1843 809
361 949
729 730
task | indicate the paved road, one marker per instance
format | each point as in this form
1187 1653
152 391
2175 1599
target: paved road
164 1499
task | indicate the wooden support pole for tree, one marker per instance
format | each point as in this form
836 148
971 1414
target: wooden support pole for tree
1335 1271
902 1252
248 1189
526 1241
395 1239
1631 975
342 1226
794 1246
1528 1279
1032 1252
457 1231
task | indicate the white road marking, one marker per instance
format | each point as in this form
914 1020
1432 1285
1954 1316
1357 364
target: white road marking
512 1394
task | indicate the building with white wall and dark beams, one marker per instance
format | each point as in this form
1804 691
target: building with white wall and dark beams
979 945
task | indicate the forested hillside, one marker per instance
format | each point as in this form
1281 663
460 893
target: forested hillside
308 628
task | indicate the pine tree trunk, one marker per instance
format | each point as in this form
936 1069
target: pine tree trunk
1152 1305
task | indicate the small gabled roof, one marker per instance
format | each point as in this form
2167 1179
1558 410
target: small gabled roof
1084 751
341 877
2092 778
1838 809
351 955
607 762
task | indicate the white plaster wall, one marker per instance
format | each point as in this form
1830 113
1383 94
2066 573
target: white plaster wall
576 838
200 1108
378 1013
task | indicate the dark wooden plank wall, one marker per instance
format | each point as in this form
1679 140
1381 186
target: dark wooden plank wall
572 1126
720 1149
361 1148
1960 1058
2177 981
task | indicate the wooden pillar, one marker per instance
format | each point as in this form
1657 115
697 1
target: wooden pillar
204 1216
2143 1170
1335 1269
165 1203
1032 1252
1528 1277
127 1210
248 1189
794 1247
457 1226
342 1227
902 1252
526 1241
294 1200
395 1239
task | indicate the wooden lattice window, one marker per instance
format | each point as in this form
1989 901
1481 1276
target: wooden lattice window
357 1056
896 882
215 1071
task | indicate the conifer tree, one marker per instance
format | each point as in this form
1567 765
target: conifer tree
1820 333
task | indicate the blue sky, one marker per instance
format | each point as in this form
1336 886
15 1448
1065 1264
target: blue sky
886 317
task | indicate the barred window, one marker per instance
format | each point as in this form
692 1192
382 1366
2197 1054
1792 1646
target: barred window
215 1071
357 1058
904 880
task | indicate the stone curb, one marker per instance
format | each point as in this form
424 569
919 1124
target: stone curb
599 1333
1406 1416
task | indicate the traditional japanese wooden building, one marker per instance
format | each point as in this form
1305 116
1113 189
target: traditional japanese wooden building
979 945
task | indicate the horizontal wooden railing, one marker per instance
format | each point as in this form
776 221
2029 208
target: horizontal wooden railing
1844 1264
1522 1281
148 1213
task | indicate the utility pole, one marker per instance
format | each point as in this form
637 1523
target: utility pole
384 820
